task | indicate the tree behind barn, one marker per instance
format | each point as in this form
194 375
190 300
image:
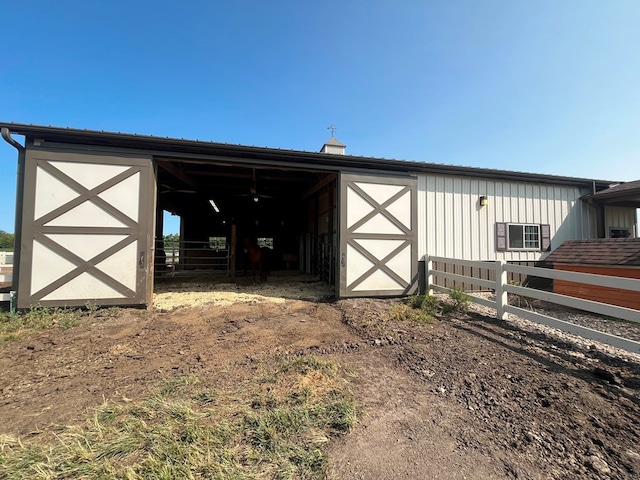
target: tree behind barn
7 240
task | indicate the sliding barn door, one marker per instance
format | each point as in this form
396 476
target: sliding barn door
378 236
87 230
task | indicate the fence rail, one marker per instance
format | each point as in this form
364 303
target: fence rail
502 288
188 255
6 274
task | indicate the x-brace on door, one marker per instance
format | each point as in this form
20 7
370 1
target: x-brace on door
87 229
378 235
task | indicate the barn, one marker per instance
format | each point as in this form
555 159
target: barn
90 207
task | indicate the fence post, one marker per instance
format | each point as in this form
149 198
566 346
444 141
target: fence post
502 297
428 271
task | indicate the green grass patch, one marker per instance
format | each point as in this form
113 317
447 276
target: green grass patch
458 301
426 307
404 312
15 325
272 424
19 324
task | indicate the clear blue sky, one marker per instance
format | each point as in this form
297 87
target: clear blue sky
540 86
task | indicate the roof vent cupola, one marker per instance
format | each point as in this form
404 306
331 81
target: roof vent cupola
332 145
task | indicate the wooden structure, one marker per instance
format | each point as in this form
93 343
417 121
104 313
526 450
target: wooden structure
618 257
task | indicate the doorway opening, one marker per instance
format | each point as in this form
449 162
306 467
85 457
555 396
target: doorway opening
290 212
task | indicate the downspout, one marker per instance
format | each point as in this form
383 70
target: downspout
598 209
6 134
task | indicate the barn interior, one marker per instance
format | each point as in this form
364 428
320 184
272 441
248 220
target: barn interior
291 213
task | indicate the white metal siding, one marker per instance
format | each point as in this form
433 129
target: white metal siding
451 222
620 217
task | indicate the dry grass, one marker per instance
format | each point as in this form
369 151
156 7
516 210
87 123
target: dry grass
218 290
271 425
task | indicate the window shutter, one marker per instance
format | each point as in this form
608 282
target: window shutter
501 237
545 237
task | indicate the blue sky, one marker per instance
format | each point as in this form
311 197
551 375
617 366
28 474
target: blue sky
540 86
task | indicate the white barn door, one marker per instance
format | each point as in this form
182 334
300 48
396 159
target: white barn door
87 230
378 236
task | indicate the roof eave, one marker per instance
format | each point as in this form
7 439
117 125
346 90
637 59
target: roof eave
174 145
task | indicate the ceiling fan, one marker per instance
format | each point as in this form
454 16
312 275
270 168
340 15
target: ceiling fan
253 190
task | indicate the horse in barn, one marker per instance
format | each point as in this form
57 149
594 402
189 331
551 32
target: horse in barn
257 258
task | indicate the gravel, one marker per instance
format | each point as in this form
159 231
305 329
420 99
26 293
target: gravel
620 328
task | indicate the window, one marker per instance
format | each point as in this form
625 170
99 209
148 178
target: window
218 243
265 242
619 233
520 236
524 237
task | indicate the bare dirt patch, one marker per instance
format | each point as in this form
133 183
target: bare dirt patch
466 397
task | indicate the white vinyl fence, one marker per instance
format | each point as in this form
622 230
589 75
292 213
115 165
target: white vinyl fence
6 273
502 289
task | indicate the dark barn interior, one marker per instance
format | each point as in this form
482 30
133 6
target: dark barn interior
292 212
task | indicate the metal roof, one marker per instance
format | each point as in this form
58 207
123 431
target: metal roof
334 141
212 150
627 189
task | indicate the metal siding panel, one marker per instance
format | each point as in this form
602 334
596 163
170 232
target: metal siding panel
457 227
457 236
619 217
566 218
542 205
432 217
475 239
574 220
508 215
514 204
499 208
439 217
586 220
557 212
423 218
529 204
488 231
522 203
466 233
448 220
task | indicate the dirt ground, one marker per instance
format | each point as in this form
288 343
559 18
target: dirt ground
462 397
